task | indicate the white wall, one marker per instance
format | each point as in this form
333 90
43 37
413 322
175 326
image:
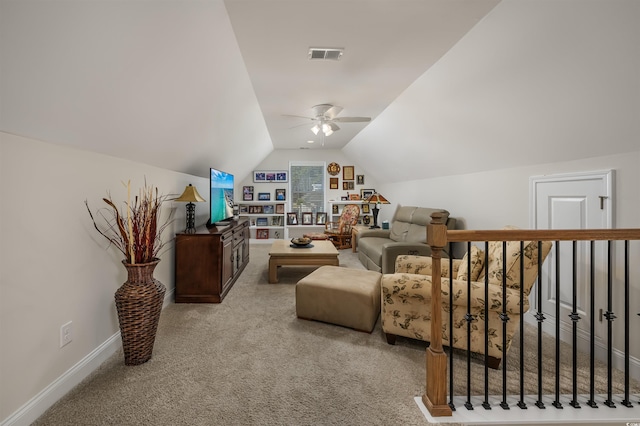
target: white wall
55 267
533 82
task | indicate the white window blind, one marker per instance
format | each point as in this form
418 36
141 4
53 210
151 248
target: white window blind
307 187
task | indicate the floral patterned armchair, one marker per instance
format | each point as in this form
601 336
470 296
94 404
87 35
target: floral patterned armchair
406 297
340 232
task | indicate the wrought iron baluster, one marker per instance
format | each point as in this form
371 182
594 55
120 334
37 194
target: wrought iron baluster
521 403
486 404
540 319
575 318
556 403
469 318
504 318
610 316
626 401
592 332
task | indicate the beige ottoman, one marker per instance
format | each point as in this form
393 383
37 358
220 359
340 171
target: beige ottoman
342 296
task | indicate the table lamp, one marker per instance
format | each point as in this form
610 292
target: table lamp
376 199
190 196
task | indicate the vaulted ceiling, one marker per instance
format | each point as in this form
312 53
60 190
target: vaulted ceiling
188 85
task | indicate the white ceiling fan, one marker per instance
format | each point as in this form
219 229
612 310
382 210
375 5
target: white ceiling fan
325 119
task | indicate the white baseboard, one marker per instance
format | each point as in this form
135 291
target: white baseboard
33 409
48 396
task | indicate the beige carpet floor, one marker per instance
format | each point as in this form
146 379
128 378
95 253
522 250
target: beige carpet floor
250 361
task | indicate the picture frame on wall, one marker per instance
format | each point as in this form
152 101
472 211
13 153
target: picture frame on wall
333 183
321 218
366 193
262 221
292 218
281 194
262 234
279 208
347 185
264 196
365 208
334 209
270 176
268 209
359 179
307 218
247 193
348 173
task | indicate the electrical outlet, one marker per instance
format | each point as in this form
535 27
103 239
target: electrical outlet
66 333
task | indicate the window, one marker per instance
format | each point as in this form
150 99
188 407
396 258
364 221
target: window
307 187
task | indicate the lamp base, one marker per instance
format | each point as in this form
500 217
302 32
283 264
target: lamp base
375 212
191 219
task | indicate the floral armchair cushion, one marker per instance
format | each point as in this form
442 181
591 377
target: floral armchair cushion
477 264
409 287
348 218
513 253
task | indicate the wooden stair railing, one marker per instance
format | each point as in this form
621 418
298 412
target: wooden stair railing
438 237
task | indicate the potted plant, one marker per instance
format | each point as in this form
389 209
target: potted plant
136 230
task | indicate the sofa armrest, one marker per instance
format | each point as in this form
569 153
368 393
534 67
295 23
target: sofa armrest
414 286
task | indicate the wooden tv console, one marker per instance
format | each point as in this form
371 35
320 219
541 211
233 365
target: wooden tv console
209 261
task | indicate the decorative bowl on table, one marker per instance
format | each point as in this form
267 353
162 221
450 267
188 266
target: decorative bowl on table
301 242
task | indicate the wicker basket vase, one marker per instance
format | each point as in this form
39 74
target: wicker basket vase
139 302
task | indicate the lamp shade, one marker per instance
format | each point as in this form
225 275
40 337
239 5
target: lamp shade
190 195
377 199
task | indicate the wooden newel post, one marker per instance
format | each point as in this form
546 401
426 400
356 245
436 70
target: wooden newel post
435 398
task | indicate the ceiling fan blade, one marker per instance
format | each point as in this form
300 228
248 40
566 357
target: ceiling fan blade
332 112
298 116
333 126
299 125
352 119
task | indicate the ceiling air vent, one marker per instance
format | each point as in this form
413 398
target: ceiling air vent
328 54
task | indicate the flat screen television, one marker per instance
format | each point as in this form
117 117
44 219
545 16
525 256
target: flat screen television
220 196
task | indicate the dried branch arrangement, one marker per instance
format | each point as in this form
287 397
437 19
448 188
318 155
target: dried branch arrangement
136 230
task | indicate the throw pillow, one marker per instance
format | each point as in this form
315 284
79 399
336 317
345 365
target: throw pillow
477 264
512 260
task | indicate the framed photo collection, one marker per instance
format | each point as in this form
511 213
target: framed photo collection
275 176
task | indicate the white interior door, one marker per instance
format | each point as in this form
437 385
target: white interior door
573 201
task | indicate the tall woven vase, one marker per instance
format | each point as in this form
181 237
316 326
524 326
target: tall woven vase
139 302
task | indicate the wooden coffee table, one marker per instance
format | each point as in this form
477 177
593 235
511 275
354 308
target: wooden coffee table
281 254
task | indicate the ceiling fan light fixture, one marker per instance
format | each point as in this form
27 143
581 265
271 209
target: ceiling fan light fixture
315 129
